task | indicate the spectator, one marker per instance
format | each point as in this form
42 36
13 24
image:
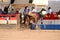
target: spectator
0 10
26 11
12 11
6 9
21 12
33 9
49 10
59 12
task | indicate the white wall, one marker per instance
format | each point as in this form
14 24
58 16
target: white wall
4 1
21 1
55 5
40 2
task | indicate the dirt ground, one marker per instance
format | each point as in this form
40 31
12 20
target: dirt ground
8 34
15 33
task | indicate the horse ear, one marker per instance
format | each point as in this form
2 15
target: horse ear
12 1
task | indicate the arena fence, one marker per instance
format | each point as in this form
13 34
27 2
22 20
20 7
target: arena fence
50 25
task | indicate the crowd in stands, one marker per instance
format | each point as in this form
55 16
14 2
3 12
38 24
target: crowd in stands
5 10
30 14
41 14
28 10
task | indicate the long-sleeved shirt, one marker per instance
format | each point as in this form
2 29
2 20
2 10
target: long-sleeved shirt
49 11
26 11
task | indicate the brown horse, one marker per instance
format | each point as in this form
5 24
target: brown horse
34 17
